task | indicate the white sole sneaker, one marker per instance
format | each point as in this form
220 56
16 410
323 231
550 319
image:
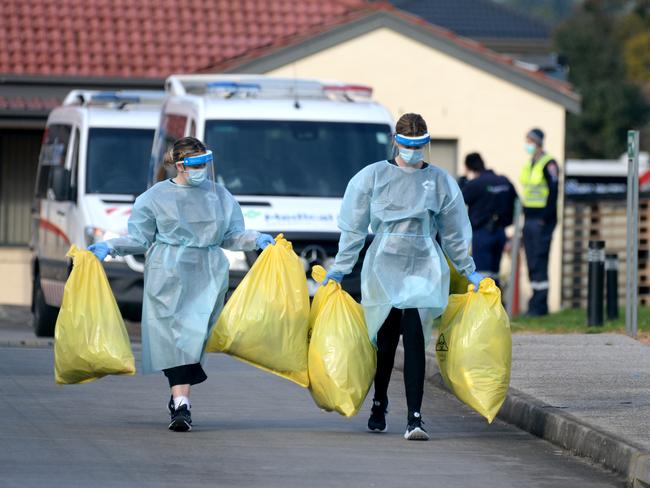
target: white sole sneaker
416 434
180 425
378 431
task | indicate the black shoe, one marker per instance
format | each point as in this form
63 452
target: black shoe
377 420
181 419
170 405
414 429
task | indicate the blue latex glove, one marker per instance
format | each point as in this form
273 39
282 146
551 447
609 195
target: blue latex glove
100 250
333 275
475 279
264 240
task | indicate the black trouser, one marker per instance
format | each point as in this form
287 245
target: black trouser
487 249
189 374
537 242
406 322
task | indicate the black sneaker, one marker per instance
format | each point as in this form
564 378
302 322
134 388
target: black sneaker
414 429
170 405
377 420
181 419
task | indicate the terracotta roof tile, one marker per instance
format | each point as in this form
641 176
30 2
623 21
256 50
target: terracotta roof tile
29 104
115 38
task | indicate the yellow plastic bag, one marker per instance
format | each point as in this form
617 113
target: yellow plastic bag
457 282
342 360
90 337
266 320
474 348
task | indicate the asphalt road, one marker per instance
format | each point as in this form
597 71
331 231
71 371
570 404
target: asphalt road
251 429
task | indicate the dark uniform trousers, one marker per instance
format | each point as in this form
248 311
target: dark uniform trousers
487 249
537 243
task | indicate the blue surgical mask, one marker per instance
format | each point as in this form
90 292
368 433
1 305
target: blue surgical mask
530 148
196 176
411 156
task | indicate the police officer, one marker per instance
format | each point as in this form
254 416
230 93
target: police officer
539 178
490 199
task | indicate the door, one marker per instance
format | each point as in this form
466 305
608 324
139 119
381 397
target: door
64 206
444 154
51 211
18 162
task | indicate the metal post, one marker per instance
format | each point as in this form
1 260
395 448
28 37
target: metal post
513 282
611 272
596 283
632 258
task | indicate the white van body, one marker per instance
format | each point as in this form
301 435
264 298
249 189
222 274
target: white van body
285 148
94 161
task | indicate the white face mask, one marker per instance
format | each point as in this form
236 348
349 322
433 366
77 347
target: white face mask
411 156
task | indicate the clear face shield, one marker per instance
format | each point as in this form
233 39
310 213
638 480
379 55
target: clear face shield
414 150
199 169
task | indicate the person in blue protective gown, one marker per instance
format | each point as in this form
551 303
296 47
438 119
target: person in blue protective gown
406 202
181 224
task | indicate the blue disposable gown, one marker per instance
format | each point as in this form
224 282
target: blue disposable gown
182 230
404 266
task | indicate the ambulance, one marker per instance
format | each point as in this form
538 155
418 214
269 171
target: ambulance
286 149
93 162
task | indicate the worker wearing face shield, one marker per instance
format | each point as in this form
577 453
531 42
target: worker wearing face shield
406 202
181 224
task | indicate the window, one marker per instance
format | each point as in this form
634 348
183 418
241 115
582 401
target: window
117 160
53 152
171 129
74 170
293 158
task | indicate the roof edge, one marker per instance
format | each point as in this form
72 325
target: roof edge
79 80
443 40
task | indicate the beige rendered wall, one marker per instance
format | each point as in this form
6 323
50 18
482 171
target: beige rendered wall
482 112
15 282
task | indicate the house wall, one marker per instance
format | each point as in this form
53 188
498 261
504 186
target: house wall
459 102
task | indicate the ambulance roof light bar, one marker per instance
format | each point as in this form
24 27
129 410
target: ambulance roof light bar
229 89
349 92
256 86
116 98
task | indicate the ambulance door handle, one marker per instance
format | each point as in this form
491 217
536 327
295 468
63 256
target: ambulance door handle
60 213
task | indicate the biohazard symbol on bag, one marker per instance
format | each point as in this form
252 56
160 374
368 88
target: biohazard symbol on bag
474 348
441 345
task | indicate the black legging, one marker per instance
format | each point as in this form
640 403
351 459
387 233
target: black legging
407 322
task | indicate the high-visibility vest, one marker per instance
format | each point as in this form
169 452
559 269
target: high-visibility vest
535 194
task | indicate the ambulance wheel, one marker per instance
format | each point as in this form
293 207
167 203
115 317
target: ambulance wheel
44 317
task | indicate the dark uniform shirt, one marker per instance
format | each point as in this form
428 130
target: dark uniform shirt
549 213
490 199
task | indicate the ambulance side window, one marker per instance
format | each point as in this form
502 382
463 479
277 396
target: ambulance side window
53 153
171 129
